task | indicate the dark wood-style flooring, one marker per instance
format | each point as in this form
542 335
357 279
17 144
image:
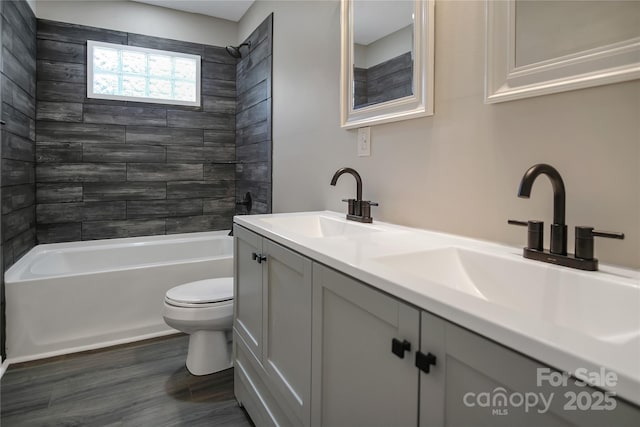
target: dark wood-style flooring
141 384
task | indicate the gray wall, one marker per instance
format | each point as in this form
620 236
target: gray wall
18 91
253 119
108 169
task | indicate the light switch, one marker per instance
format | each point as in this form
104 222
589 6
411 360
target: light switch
364 142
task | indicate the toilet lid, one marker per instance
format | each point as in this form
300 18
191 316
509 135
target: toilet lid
203 291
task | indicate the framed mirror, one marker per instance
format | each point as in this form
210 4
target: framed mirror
387 61
541 47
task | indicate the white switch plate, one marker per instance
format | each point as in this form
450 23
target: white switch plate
364 142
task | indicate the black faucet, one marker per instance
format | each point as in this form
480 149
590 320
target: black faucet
558 228
358 210
557 253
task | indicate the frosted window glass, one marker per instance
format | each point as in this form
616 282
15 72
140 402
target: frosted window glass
160 66
106 59
185 69
134 86
140 74
160 88
106 84
185 91
134 62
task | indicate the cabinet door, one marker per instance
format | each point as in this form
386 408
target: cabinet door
488 385
248 289
287 328
357 380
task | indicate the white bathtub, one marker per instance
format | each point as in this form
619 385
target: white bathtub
68 297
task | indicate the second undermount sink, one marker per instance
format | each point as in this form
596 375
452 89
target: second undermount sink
318 225
563 297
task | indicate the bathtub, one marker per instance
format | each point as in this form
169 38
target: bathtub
68 297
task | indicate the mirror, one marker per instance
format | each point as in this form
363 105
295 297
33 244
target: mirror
387 61
541 47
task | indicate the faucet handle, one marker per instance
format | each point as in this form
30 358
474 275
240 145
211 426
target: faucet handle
352 206
584 240
535 233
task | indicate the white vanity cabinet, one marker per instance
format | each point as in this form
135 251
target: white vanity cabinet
477 382
315 347
356 379
272 330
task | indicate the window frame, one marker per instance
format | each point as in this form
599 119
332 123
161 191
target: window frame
90 72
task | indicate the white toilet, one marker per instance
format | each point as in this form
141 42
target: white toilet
203 309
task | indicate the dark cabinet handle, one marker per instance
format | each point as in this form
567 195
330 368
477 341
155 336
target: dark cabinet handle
259 258
424 361
399 347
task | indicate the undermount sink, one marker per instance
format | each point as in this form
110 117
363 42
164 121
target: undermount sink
563 297
318 225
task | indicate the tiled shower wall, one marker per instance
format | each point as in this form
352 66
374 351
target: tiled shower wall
253 119
108 169
18 106
383 82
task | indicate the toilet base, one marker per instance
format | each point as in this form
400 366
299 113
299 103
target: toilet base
209 352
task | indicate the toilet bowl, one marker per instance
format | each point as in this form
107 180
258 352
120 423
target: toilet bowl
204 310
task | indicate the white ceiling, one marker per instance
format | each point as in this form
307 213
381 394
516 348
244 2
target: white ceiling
231 10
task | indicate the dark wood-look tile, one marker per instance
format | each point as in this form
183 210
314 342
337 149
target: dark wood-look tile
59 193
217 71
218 104
116 115
253 96
215 87
220 172
58 152
253 172
213 137
218 54
59 111
54 233
15 172
203 120
107 191
49 213
17 197
163 208
206 154
92 230
16 96
13 68
18 221
163 136
72 33
255 75
140 384
165 44
164 172
22 242
223 206
251 153
52 50
117 153
199 223
18 123
80 132
16 147
255 133
61 71
61 91
81 172
199 189
255 114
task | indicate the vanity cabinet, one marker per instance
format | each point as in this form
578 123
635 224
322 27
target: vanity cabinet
315 347
272 327
356 378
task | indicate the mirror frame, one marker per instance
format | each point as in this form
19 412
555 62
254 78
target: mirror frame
504 81
417 105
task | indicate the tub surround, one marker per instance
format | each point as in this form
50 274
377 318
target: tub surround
359 251
253 119
69 297
110 169
18 111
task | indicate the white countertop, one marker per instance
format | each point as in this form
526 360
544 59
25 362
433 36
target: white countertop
543 335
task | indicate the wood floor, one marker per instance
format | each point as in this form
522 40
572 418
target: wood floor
142 384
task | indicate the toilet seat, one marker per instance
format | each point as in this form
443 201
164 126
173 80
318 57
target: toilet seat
202 293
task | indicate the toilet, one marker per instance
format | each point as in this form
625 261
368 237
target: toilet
204 310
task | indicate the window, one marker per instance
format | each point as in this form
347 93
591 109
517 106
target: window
129 73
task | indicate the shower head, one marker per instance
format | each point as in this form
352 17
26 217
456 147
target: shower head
235 50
